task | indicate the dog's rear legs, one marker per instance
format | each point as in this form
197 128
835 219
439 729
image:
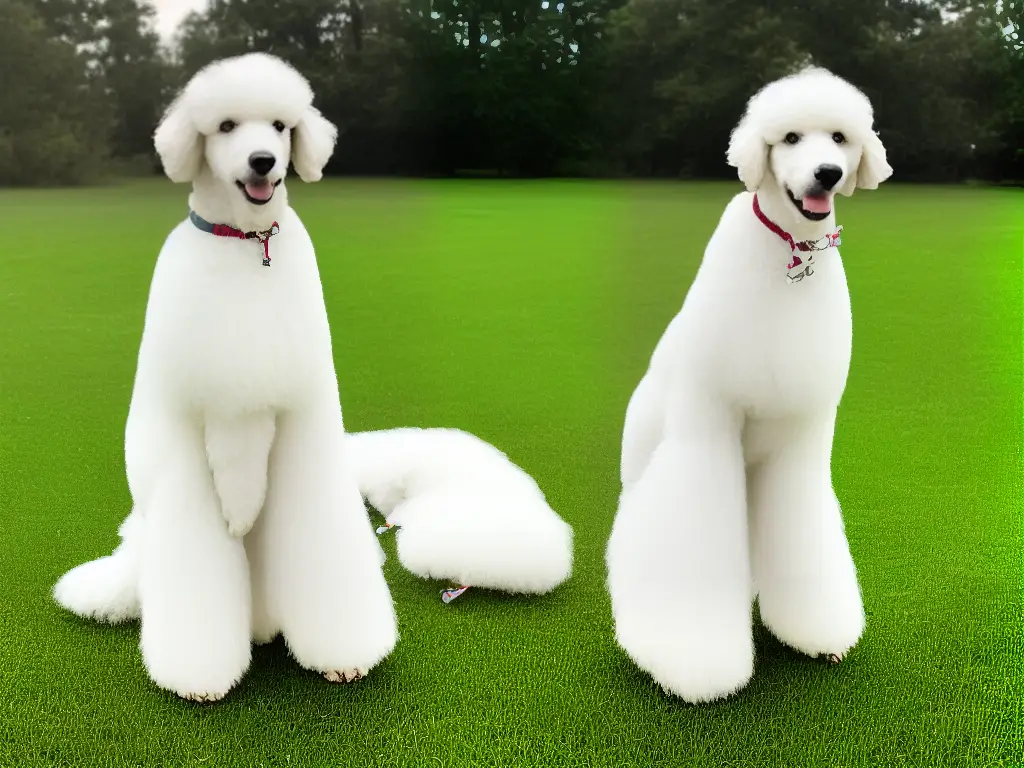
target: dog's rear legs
678 568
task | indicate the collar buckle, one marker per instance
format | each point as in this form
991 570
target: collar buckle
224 230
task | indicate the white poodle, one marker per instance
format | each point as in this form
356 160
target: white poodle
248 520
727 490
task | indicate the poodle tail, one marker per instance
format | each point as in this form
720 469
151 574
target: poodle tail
464 512
105 589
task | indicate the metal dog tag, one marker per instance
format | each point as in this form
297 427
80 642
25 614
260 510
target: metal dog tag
447 595
800 267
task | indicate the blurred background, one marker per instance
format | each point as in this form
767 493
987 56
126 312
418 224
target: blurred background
599 88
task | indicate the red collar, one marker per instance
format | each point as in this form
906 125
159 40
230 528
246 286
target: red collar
804 245
223 230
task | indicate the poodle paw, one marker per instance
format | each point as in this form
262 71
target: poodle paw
196 666
240 508
238 449
239 525
815 625
203 698
345 675
697 662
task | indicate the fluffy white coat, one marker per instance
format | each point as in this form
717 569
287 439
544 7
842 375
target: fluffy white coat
464 512
248 520
726 450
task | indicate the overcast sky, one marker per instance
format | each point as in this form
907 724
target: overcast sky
170 12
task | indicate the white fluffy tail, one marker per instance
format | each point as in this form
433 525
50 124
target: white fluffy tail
105 589
464 511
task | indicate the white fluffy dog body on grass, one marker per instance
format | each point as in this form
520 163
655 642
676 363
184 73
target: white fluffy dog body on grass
248 520
727 491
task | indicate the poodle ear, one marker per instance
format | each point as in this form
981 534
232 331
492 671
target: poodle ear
179 143
312 144
748 153
873 168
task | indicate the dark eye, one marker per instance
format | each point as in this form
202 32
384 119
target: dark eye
278 126
838 138
792 138
227 126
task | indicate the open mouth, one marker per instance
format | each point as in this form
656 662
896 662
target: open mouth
258 192
813 207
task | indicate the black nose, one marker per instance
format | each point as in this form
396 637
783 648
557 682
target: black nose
262 162
827 175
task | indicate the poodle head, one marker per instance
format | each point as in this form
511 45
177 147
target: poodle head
238 123
811 135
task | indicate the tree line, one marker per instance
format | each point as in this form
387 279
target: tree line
644 88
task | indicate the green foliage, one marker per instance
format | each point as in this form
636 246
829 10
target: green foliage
84 83
525 87
51 114
1010 18
678 73
135 77
645 87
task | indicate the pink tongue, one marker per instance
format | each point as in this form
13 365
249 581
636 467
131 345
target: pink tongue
816 204
261 191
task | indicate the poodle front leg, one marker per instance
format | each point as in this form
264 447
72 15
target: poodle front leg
320 567
678 568
193 583
238 448
803 571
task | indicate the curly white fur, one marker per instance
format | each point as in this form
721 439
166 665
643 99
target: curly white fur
727 491
247 519
465 512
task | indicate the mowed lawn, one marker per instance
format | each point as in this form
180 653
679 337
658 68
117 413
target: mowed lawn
526 313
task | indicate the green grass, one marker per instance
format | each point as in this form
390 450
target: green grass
526 313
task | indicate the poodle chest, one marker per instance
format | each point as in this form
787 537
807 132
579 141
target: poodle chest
794 352
223 330
771 347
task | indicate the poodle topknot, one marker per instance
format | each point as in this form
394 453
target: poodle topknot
251 87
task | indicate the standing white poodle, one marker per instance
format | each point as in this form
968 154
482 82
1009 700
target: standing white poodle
248 520
727 490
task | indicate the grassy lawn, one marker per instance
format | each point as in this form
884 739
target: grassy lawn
526 313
